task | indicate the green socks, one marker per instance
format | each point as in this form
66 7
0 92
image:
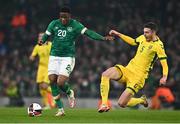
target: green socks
59 103
55 92
66 88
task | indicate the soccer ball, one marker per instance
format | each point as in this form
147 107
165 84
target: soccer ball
34 109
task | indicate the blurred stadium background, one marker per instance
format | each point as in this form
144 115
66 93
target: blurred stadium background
127 16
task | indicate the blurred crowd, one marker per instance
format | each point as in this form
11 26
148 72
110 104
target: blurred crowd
19 27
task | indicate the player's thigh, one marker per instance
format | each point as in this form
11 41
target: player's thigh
115 73
125 73
40 74
43 85
44 74
135 83
112 73
46 78
53 65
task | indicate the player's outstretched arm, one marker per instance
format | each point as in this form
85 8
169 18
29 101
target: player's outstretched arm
95 36
125 38
43 40
33 54
165 72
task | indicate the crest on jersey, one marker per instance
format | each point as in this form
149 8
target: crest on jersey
69 29
150 47
56 27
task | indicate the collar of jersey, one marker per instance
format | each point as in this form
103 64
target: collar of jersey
70 21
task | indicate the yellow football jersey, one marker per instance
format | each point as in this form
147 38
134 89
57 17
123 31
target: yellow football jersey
43 53
146 54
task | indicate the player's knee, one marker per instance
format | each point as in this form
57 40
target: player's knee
52 78
60 82
122 104
111 73
52 81
105 74
43 86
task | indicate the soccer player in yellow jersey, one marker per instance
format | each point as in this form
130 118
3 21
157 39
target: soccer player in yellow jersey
42 74
134 74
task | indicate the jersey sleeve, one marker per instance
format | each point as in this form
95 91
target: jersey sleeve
49 29
139 39
35 51
80 29
160 51
128 39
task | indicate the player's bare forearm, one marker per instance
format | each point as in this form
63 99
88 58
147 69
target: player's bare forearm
125 38
165 72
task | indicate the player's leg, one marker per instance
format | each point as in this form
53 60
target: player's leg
43 92
135 101
53 75
56 94
66 67
137 83
62 83
127 97
111 73
43 95
133 84
65 87
48 99
39 80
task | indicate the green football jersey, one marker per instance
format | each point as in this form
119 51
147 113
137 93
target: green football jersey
64 37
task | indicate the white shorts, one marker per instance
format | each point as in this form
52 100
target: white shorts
61 65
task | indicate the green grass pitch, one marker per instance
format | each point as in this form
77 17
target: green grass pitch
19 115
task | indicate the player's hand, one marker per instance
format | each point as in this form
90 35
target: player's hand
32 58
114 32
109 38
163 80
40 42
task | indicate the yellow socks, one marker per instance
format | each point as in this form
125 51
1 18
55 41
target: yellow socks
47 98
44 97
49 89
104 89
135 101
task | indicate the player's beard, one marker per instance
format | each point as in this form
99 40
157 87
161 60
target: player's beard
149 38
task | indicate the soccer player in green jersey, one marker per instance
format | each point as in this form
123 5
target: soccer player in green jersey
64 32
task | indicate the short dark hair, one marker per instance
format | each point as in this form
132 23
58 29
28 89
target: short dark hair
151 25
66 9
